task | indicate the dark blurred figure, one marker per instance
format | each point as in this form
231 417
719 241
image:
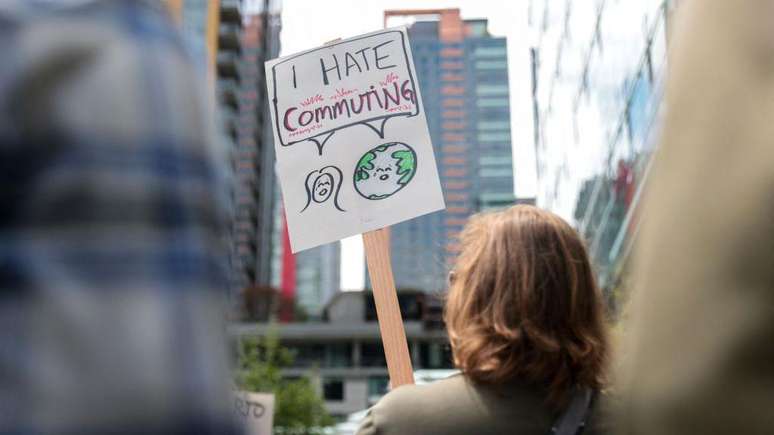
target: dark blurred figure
527 329
699 351
111 197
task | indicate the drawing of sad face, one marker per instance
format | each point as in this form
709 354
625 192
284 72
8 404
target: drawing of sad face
322 188
385 170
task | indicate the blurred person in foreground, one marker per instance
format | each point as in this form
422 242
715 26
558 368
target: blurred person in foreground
111 216
527 329
698 353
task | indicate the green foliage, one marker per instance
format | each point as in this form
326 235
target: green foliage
298 406
364 165
407 164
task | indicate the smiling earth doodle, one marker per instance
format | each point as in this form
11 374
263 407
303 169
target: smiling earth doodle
384 170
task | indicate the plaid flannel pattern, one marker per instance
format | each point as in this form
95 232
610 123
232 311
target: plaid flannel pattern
113 266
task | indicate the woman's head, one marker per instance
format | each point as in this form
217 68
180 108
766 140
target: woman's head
523 303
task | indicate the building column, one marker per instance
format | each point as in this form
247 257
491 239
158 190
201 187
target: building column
356 354
415 355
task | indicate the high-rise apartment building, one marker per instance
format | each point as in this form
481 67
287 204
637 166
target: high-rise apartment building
597 74
463 76
233 40
254 151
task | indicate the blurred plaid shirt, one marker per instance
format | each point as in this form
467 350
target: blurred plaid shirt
112 201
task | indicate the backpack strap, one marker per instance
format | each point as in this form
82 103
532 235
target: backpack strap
574 417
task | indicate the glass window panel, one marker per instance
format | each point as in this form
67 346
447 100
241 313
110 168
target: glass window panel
495 172
484 90
491 64
492 102
494 125
498 51
494 137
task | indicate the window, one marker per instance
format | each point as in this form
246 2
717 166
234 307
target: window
333 389
486 90
372 355
307 355
488 197
435 356
638 110
495 160
491 64
494 125
477 28
504 136
492 102
495 172
497 51
338 355
377 385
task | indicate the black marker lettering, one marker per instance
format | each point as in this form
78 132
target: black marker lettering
326 70
365 59
378 58
294 77
351 62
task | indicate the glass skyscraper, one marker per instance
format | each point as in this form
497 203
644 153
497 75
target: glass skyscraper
463 76
597 74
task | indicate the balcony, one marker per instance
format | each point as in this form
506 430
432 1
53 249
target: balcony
228 36
230 11
228 64
228 90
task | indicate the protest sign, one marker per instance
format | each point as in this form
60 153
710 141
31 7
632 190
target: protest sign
354 156
353 149
254 411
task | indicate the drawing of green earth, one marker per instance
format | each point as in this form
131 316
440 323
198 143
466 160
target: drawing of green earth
385 170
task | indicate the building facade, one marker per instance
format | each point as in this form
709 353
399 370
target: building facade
343 353
462 72
232 40
317 278
254 148
597 81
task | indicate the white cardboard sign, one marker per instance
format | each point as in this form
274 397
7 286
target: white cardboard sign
255 411
353 149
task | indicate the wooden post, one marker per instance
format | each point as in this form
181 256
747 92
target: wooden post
377 250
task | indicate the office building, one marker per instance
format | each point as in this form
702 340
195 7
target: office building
597 81
463 76
343 351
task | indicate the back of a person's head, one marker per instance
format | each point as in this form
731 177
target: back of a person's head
523 304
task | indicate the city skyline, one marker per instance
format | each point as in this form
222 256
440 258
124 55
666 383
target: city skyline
308 24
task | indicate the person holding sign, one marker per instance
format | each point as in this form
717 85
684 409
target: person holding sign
526 323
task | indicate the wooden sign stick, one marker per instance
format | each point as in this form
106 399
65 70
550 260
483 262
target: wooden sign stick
377 250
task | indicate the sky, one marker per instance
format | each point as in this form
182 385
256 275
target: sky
310 23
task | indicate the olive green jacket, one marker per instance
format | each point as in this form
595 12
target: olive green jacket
456 406
698 353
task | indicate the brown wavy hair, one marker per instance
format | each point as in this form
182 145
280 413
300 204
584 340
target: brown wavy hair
523 304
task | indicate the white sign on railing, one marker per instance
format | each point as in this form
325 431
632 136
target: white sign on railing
255 411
